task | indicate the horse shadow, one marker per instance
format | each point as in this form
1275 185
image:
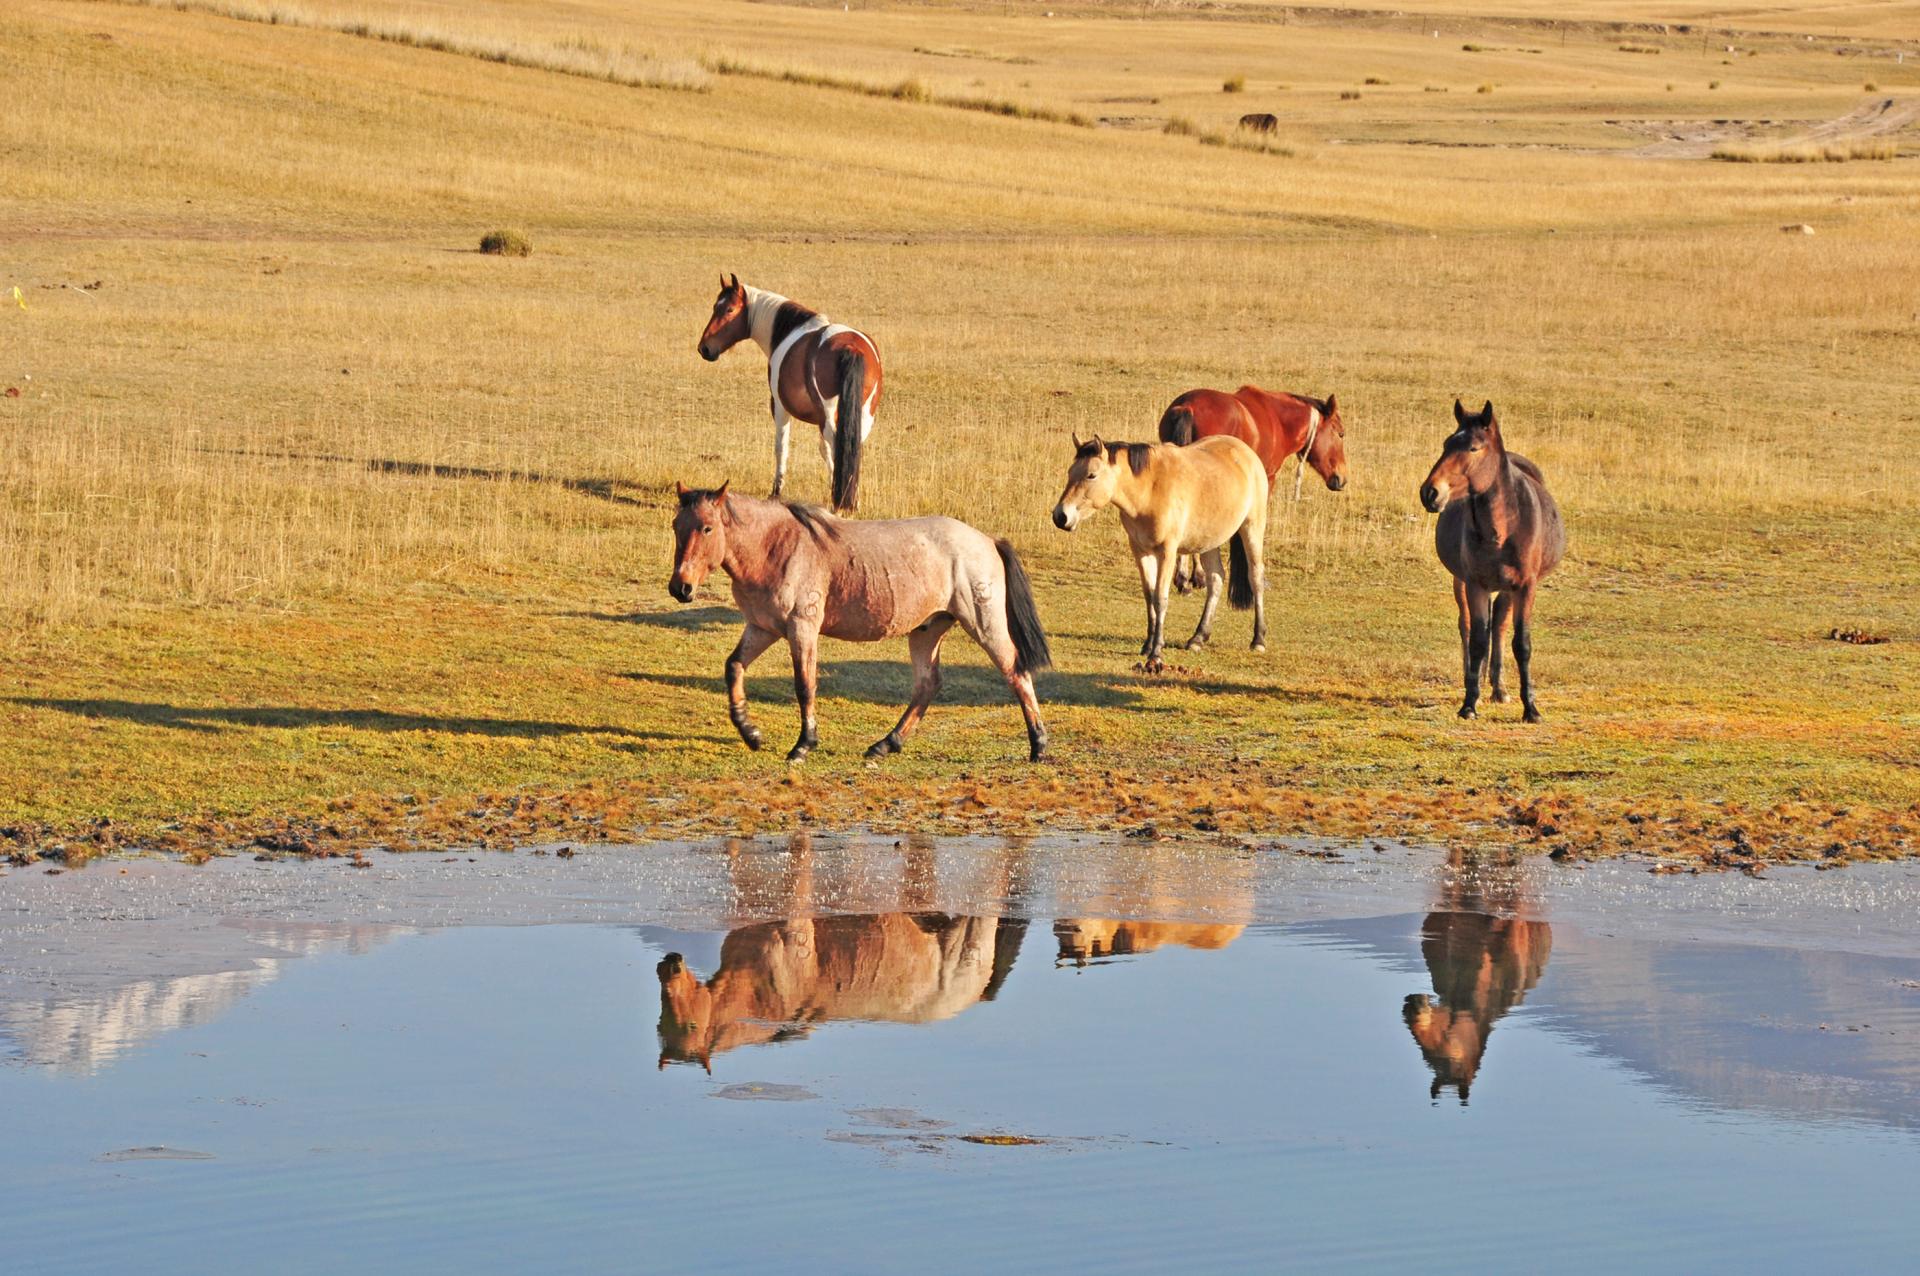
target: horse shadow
211 719
890 682
600 489
686 619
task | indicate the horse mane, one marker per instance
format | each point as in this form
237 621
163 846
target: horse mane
817 522
1138 454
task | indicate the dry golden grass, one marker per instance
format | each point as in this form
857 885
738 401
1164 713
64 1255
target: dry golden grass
310 500
1807 152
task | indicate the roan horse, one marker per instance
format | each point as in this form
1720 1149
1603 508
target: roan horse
1275 426
825 374
1173 501
1499 534
800 573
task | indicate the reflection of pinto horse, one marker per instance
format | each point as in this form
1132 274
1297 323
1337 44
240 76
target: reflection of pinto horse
1275 426
778 979
823 373
800 573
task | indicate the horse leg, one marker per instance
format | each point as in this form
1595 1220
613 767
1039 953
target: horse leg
1479 602
782 436
753 641
805 644
1149 586
1254 541
1163 587
1186 574
1466 624
1210 562
988 627
1523 651
1502 605
924 643
828 431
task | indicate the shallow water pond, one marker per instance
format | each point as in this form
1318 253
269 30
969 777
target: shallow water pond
857 1054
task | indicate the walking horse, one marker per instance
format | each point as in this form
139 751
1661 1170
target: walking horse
823 373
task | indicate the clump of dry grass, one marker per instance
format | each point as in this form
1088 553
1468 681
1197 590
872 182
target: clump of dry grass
1234 84
1349 95
506 243
1808 152
1639 48
1180 126
575 55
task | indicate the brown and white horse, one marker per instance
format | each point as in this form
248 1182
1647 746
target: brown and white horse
801 574
1499 533
1275 426
1174 501
820 372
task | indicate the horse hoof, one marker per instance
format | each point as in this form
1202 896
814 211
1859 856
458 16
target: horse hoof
752 737
1499 696
797 754
1258 646
1531 715
1196 644
884 746
1466 711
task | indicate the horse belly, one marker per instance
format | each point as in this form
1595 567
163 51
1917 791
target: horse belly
886 594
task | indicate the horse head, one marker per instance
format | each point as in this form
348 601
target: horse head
1469 460
699 538
1090 483
686 1015
728 325
1327 450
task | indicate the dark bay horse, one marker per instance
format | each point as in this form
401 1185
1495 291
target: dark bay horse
1174 501
1275 426
823 373
800 573
1499 534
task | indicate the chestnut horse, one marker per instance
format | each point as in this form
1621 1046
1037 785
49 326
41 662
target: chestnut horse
1275 426
800 573
1499 534
1174 501
825 374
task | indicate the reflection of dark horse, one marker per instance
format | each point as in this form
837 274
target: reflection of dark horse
1482 966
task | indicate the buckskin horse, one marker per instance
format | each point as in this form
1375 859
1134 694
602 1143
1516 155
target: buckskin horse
800 573
820 372
1275 426
1172 501
1499 533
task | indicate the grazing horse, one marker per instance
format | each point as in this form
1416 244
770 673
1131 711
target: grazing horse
1178 500
1499 534
799 573
1275 426
823 373
1260 122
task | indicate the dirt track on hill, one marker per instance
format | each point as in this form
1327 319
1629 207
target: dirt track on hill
1696 139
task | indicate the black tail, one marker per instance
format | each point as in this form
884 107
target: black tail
846 430
1023 620
1239 572
1176 426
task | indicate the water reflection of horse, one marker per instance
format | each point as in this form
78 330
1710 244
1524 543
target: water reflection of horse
778 979
1084 939
1482 965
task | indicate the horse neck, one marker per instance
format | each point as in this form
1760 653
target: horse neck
1132 493
1495 510
762 306
752 531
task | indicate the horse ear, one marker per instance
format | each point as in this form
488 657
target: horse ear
1333 405
1075 435
682 491
733 281
1459 413
720 493
1486 410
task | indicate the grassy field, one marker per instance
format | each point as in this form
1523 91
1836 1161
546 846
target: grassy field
320 526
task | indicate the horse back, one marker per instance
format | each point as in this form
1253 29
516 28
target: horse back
1281 420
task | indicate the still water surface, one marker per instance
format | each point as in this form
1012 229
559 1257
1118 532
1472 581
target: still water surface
862 1055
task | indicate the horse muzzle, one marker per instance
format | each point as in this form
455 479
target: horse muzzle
1434 498
706 354
1064 519
1336 482
681 590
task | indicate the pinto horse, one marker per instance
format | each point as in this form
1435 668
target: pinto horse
1174 501
823 373
800 573
1499 533
1275 426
